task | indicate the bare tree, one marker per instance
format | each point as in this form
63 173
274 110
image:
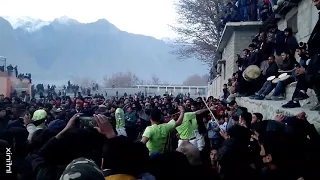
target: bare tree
199 28
155 80
123 80
84 82
165 83
196 80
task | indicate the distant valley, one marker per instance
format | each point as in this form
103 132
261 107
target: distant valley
65 49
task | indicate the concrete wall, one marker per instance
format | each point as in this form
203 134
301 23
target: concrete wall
5 84
307 16
229 55
215 89
150 92
239 40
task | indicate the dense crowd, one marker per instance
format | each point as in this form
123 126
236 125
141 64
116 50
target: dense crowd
151 138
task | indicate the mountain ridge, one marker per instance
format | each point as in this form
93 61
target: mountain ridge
92 50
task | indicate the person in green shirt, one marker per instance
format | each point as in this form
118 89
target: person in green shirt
120 122
156 135
188 130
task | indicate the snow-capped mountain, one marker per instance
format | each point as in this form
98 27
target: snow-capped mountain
32 24
168 40
65 20
27 23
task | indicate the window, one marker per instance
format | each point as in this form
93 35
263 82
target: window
293 23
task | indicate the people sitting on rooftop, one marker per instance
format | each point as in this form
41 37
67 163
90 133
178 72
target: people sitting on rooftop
272 70
280 70
300 92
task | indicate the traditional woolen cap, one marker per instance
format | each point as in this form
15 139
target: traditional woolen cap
82 169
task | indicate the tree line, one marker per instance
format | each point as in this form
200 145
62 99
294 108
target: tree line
129 80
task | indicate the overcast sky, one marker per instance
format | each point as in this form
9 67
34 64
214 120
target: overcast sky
148 17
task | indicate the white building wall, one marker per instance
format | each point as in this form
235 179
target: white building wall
307 16
237 42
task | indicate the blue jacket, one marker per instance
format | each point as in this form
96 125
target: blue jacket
213 130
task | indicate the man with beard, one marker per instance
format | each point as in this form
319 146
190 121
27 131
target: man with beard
300 92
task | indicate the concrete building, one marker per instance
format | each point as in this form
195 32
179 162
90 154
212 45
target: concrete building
301 16
236 37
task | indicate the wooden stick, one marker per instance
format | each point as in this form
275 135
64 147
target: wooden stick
215 120
209 110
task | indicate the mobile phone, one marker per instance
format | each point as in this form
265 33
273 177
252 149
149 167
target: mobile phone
87 121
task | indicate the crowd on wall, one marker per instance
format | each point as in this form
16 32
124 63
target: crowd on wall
243 10
13 72
246 10
69 88
269 65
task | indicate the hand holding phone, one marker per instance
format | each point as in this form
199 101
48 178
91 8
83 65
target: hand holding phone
87 121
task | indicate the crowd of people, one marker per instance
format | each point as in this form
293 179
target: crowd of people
246 10
166 137
13 72
50 90
151 138
269 65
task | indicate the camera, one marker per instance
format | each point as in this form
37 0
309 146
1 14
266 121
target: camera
87 121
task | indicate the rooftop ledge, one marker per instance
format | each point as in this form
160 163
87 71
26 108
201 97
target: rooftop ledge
235 26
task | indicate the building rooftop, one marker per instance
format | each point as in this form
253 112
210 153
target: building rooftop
235 26
154 85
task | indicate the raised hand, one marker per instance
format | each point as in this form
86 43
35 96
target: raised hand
104 126
72 121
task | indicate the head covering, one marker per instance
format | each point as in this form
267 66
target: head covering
39 115
82 169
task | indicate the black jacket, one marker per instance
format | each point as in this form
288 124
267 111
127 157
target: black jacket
280 44
272 70
288 64
265 51
292 44
313 42
254 59
312 71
